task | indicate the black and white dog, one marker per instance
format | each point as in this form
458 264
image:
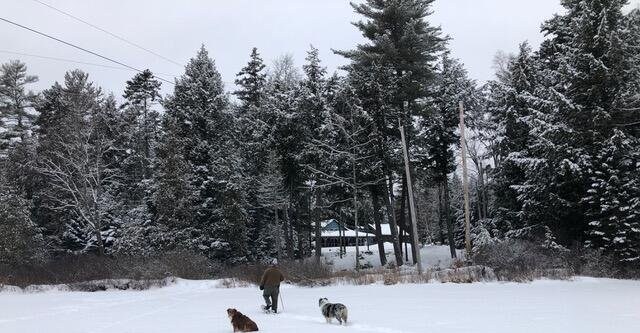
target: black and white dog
333 310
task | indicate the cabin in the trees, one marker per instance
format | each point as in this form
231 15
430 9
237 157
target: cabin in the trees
336 234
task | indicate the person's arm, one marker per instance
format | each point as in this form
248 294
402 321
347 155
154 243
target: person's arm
264 276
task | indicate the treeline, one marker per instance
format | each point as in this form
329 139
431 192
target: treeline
554 148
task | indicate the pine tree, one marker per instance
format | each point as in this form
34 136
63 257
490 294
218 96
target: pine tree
400 56
203 126
511 100
255 143
16 105
251 80
614 224
585 69
313 109
22 241
283 118
138 130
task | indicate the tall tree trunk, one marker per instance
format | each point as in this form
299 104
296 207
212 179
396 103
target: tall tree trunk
392 218
278 235
318 232
377 219
447 214
288 234
408 229
440 215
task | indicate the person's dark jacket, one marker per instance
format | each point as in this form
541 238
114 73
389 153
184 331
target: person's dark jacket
271 278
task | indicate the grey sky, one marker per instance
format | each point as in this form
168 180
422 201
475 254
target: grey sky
229 29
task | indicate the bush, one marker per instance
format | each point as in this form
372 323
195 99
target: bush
81 268
302 272
521 260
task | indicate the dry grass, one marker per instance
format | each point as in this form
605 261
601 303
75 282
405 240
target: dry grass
79 269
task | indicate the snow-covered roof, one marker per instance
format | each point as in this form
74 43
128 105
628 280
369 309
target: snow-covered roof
346 233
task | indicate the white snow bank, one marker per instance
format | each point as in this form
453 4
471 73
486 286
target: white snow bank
584 305
433 256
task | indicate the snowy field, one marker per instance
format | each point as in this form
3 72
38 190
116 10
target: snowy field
583 305
434 256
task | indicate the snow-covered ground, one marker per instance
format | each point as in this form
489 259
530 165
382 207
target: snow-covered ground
584 305
434 256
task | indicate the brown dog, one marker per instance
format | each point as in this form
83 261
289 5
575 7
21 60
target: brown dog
240 322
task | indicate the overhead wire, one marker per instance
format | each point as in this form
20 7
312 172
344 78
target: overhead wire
108 32
79 48
70 61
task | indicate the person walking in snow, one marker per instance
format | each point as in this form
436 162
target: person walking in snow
270 285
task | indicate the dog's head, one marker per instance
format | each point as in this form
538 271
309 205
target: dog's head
231 312
322 302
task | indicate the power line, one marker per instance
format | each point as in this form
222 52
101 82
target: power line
109 33
63 60
79 48
70 61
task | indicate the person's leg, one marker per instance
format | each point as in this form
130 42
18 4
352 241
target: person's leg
266 294
274 297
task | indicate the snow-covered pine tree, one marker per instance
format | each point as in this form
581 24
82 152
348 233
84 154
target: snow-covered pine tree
510 101
22 241
586 72
199 112
17 117
614 198
138 131
251 81
255 136
405 48
286 128
313 111
271 195
16 105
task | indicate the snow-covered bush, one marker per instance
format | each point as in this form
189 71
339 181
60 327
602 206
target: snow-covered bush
521 260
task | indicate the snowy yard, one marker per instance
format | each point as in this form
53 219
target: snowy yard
435 256
584 305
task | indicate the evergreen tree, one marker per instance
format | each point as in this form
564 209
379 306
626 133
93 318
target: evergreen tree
252 80
16 105
138 131
203 126
585 69
511 99
22 241
255 143
400 56
286 125
614 224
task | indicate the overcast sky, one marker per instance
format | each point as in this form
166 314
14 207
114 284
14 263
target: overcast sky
230 28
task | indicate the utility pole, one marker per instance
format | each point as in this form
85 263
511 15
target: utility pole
412 206
465 183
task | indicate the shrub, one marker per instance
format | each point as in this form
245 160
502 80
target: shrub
521 260
80 268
